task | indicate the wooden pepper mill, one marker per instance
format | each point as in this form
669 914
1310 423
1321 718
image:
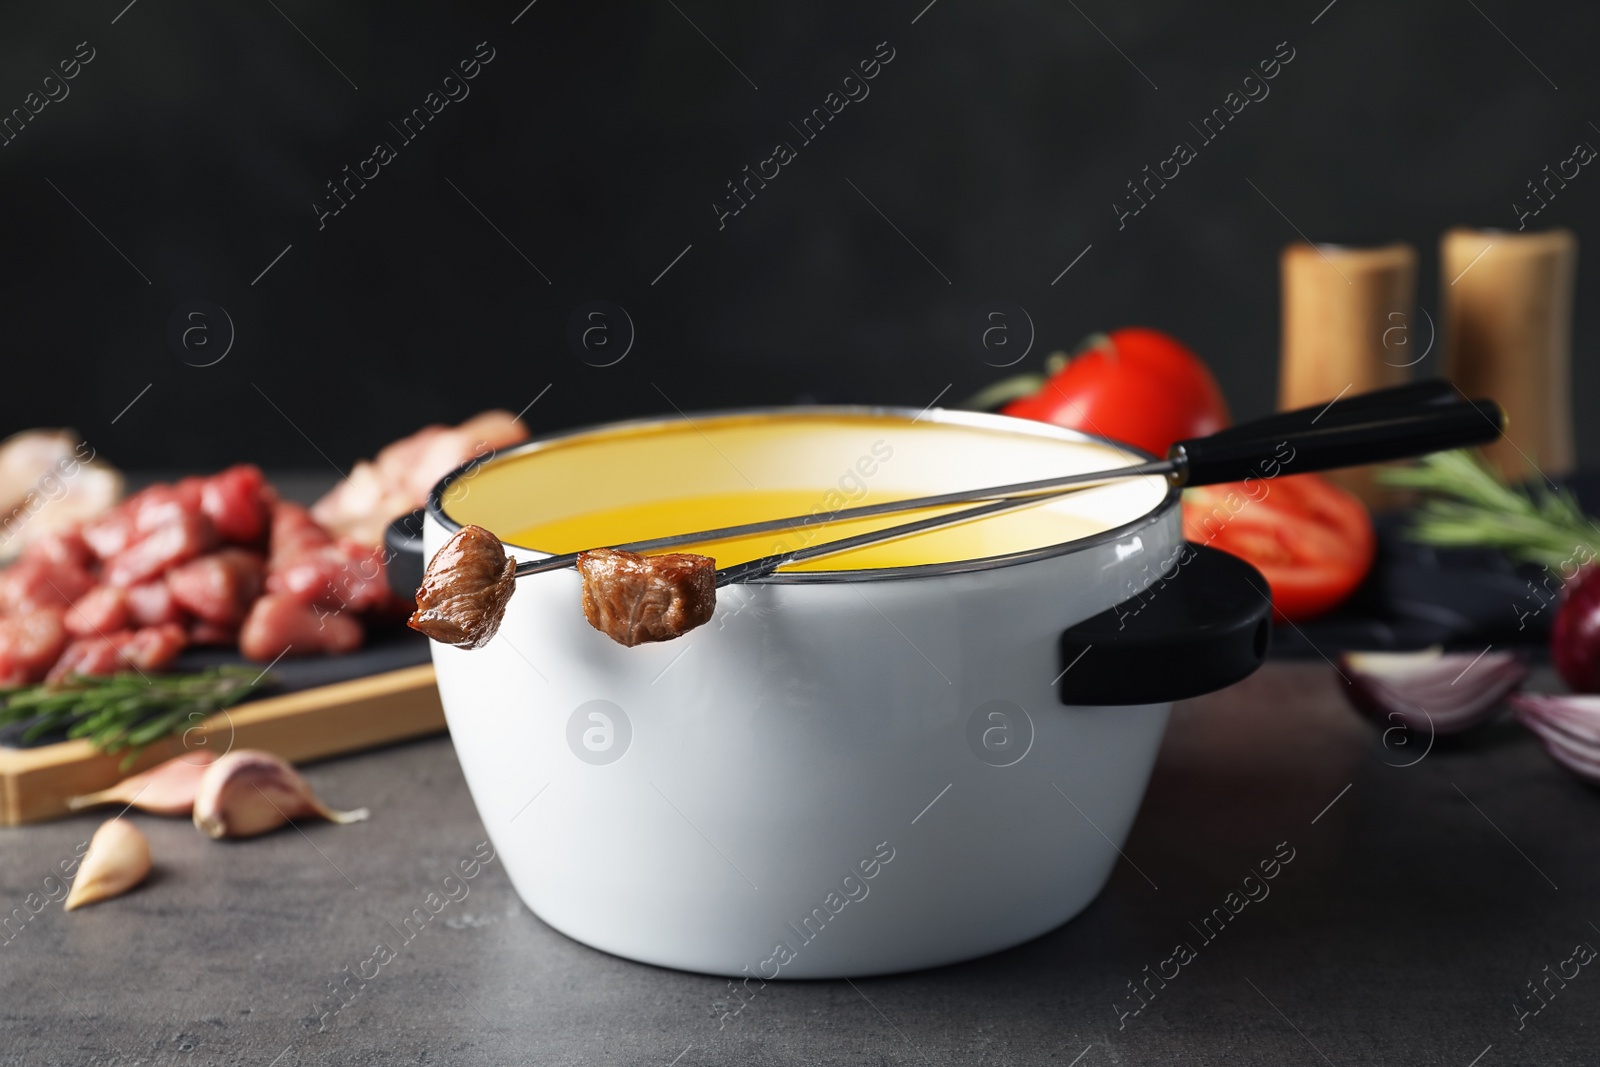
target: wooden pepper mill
1507 328
1347 328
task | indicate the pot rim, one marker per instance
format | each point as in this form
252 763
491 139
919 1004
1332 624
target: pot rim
947 416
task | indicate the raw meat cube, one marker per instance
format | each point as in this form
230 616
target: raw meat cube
110 533
219 587
238 503
151 604
214 635
29 644
32 584
179 540
293 530
153 648
277 623
345 576
102 610
148 650
62 546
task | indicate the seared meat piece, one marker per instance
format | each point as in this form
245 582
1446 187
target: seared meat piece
633 599
465 589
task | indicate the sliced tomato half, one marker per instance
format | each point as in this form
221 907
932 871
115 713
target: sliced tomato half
1312 540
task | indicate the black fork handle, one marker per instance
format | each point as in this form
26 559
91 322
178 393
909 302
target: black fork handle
1372 433
1427 392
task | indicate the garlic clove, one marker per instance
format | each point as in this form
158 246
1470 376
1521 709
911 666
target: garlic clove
165 789
118 859
248 792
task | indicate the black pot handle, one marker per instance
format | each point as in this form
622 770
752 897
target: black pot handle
1202 627
402 542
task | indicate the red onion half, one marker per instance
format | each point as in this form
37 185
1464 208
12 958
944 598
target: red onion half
1431 691
1575 634
1569 728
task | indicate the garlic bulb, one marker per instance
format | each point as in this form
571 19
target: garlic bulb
118 859
165 789
248 792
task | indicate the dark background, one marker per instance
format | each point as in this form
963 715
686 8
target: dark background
597 140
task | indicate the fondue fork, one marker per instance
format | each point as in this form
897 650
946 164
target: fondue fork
1388 424
759 568
1016 494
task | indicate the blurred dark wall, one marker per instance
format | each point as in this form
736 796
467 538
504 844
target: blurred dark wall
597 140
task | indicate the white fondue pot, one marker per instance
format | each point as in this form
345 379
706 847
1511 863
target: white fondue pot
846 772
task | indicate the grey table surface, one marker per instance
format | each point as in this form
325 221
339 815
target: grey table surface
1422 894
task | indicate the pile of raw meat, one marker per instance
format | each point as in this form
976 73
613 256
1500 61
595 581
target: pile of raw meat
218 560
398 478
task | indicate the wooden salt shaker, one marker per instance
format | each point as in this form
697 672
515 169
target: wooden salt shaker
1507 328
1347 329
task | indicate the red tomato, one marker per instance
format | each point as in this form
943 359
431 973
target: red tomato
1312 540
1134 385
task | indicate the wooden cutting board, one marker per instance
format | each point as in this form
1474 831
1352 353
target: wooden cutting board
328 720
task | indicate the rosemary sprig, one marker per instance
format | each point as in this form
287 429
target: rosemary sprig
1467 504
127 710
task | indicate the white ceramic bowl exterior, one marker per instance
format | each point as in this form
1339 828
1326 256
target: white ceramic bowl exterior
815 784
